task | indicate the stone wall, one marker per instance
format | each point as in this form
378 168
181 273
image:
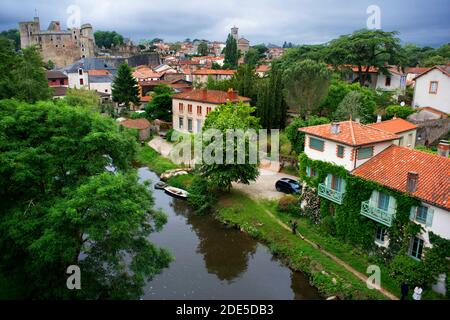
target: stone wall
429 132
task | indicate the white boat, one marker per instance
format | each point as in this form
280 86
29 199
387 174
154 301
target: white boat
177 193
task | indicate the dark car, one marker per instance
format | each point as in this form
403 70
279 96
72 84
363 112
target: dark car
287 185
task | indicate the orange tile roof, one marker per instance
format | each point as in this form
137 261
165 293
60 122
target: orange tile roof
416 70
390 168
210 96
98 72
145 73
396 125
263 68
351 133
146 98
139 124
444 69
211 71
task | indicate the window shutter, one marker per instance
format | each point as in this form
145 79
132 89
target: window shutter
374 198
392 204
343 185
329 180
412 214
308 171
430 215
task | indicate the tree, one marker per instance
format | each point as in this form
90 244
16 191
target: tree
229 117
357 104
365 49
435 61
107 39
399 111
231 53
252 57
125 87
83 98
8 62
29 82
296 137
13 35
244 81
203 48
61 207
216 66
49 65
271 107
305 85
160 107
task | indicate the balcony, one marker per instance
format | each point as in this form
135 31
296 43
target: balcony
377 214
330 194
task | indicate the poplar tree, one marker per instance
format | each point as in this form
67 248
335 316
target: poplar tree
231 53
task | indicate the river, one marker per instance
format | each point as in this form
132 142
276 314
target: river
215 262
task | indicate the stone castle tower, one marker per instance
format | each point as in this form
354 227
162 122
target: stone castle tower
63 47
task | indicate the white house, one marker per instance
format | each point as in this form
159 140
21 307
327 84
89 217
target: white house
189 109
405 129
432 89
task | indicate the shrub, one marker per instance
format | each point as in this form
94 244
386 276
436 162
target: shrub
398 111
312 205
137 115
404 268
201 196
285 145
289 204
169 134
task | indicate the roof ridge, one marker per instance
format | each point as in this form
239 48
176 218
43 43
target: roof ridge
352 132
370 127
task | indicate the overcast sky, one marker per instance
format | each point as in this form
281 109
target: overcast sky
425 22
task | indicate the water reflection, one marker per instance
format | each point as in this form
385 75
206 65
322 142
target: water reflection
214 262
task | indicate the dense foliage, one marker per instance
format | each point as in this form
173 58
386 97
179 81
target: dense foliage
231 53
61 207
107 39
125 87
296 137
357 105
399 111
160 107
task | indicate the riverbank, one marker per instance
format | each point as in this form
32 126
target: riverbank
239 210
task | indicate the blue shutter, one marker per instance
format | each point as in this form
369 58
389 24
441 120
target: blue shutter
329 180
430 215
412 214
343 186
374 199
392 205
308 171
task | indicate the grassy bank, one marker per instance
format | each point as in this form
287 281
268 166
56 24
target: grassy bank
330 278
147 156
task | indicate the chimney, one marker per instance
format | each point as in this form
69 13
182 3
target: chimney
335 128
379 118
412 182
444 148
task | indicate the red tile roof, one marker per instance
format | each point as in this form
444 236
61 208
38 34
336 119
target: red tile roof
416 70
210 96
211 71
145 73
350 133
146 98
396 125
390 168
444 69
139 124
263 68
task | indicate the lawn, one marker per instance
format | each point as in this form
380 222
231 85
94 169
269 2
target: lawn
153 160
330 278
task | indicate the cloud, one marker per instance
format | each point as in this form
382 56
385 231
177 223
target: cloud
302 21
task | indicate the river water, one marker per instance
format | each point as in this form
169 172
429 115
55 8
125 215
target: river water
215 262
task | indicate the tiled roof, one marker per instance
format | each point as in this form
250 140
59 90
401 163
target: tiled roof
396 125
211 71
146 98
350 133
416 70
444 69
210 96
145 73
390 168
263 68
136 124
55 75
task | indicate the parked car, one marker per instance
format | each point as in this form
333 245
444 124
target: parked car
287 185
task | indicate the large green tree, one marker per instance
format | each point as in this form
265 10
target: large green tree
107 39
61 207
203 48
357 104
231 53
13 35
305 84
83 98
160 107
125 87
271 107
365 49
296 137
224 118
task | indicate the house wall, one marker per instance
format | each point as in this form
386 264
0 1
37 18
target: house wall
101 87
330 153
408 139
186 115
423 97
440 224
74 80
58 82
396 82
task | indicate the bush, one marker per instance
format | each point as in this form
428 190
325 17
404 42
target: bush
201 196
289 204
398 111
404 268
285 145
137 115
169 135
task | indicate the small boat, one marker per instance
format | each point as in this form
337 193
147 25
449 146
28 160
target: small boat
176 193
161 185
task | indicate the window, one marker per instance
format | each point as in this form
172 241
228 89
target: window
311 172
316 144
208 110
433 87
181 108
410 140
421 215
190 108
80 72
81 82
336 183
180 123
416 248
61 82
387 83
199 110
381 232
383 201
365 153
190 125
340 151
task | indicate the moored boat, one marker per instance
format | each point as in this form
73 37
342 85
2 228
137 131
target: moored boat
161 185
176 193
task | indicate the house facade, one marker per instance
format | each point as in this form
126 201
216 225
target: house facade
201 76
190 109
432 89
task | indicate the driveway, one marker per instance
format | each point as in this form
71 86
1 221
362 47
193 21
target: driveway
162 146
264 186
